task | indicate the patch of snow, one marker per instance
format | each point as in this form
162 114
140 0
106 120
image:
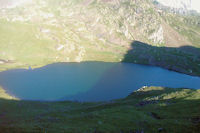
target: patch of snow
60 47
45 30
182 4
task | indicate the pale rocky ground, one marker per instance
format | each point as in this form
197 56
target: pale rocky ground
88 30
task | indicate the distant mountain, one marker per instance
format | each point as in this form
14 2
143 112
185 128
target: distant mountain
182 4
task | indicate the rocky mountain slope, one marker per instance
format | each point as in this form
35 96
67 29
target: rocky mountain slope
35 33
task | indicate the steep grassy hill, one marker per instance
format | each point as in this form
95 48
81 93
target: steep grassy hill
147 110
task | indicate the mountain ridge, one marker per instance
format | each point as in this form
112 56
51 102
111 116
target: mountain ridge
186 5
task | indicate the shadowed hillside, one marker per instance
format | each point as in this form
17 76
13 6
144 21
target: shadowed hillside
149 110
185 59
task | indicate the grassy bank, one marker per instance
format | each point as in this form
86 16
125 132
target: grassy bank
150 109
4 95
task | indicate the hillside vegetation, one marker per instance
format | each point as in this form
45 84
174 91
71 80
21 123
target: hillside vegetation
149 110
36 33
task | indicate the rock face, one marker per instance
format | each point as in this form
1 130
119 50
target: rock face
80 30
158 36
110 21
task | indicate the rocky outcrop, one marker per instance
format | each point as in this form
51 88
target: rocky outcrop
100 30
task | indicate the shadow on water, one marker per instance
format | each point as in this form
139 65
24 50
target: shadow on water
101 81
185 59
89 81
35 116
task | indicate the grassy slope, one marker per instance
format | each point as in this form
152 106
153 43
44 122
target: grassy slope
150 109
4 95
24 49
187 26
90 31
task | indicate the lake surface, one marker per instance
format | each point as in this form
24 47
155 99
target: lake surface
89 81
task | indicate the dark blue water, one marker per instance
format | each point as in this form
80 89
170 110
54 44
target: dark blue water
89 81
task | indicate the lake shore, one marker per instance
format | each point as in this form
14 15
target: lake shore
139 61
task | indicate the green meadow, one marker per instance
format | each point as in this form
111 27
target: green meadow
149 110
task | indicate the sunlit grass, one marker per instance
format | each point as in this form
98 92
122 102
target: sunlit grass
4 95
